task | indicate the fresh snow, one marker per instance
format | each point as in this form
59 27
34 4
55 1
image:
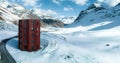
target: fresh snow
5 26
7 30
6 34
92 38
4 3
58 46
98 15
7 15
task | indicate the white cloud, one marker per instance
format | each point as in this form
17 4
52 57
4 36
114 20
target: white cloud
57 1
80 2
68 9
30 2
48 12
43 12
109 2
51 12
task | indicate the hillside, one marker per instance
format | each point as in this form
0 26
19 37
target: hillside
13 12
105 17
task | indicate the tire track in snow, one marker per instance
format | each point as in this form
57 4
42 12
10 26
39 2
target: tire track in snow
50 44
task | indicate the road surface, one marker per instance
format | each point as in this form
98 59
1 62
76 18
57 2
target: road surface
5 56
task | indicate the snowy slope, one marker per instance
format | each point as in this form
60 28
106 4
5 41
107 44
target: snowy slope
96 15
10 11
7 15
72 47
7 26
12 7
4 34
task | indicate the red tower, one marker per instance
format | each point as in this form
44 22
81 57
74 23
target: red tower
29 34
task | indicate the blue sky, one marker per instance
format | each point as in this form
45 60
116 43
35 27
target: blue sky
57 7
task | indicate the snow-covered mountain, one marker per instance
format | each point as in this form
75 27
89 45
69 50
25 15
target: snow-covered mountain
6 14
46 20
67 20
12 12
12 7
96 14
41 13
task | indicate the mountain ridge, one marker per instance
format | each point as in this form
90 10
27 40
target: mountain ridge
91 16
13 12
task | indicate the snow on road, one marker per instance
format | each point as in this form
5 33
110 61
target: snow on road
77 47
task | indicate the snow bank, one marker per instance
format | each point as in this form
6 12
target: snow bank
75 47
8 26
6 34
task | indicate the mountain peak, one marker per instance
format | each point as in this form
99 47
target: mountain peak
97 4
95 15
118 4
94 5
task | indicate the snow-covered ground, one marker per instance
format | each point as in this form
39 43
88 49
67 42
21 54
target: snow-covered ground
6 34
7 30
93 37
72 46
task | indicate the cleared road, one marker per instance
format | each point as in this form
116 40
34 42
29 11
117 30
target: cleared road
5 56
